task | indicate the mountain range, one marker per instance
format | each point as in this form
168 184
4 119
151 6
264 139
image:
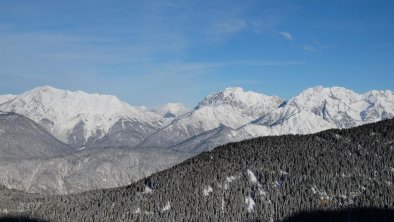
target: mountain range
311 111
76 130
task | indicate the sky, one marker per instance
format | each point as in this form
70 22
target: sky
154 52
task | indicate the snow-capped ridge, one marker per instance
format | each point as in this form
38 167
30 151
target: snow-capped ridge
344 107
313 110
75 117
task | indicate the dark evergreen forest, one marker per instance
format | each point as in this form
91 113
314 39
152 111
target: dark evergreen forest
275 178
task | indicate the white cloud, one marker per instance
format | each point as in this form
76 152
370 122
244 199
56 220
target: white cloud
286 35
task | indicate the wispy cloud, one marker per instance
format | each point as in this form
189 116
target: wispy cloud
316 46
286 35
142 44
264 63
384 45
232 26
309 48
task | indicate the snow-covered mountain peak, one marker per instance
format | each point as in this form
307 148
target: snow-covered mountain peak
248 102
171 110
45 89
233 90
232 95
316 95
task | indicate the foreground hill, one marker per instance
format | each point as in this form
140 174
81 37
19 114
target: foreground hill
264 179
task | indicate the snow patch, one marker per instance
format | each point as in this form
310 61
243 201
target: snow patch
314 190
323 195
262 192
282 172
249 203
252 177
207 190
166 207
228 181
337 136
279 183
147 190
343 196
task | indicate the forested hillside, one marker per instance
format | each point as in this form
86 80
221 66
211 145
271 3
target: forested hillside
262 179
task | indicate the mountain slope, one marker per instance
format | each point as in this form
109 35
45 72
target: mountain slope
262 179
86 170
232 107
6 98
206 141
124 132
21 138
77 118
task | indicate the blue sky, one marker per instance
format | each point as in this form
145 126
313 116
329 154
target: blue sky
153 52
